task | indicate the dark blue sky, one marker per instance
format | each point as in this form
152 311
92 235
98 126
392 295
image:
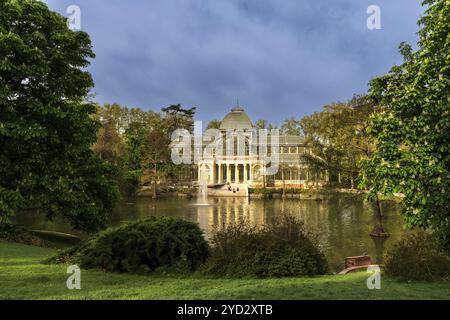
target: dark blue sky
279 58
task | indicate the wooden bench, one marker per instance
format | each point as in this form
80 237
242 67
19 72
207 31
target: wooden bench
356 263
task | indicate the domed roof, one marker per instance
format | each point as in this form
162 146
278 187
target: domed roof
236 119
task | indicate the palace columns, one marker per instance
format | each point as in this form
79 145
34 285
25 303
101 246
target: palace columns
228 173
236 173
219 178
245 173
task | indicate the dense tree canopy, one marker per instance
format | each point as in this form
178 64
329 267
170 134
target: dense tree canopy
46 124
291 126
137 143
263 124
338 135
412 131
214 124
119 142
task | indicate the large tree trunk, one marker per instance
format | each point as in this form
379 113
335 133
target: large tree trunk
378 230
154 180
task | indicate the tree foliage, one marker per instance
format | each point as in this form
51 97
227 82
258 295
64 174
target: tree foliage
292 127
412 131
338 135
137 143
263 124
46 125
119 142
214 124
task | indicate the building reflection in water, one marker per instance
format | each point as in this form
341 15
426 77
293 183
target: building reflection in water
342 225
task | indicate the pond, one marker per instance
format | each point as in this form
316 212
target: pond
342 223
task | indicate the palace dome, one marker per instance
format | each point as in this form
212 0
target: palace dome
236 119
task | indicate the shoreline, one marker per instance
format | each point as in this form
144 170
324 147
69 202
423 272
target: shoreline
319 194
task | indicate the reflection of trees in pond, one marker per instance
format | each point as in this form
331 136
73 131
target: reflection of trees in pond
342 223
379 244
378 229
348 225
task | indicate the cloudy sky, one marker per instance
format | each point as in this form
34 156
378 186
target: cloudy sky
279 58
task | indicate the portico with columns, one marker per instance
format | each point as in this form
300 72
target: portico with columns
223 172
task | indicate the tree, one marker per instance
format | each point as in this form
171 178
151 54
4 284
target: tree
156 153
412 131
174 117
338 135
46 123
132 162
108 145
130 138
177 117
214 124
119 142
263 124
291 127
177 109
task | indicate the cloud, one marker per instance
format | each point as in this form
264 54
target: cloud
279 58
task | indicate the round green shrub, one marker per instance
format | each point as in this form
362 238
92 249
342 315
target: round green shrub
417 257
280 248
155 243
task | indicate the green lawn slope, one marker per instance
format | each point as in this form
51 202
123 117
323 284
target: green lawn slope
22 276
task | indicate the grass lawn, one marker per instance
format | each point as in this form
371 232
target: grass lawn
23 277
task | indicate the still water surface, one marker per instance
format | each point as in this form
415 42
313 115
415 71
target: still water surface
342 223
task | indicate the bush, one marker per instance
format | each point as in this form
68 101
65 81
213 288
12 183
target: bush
280 248
155 243
417 257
